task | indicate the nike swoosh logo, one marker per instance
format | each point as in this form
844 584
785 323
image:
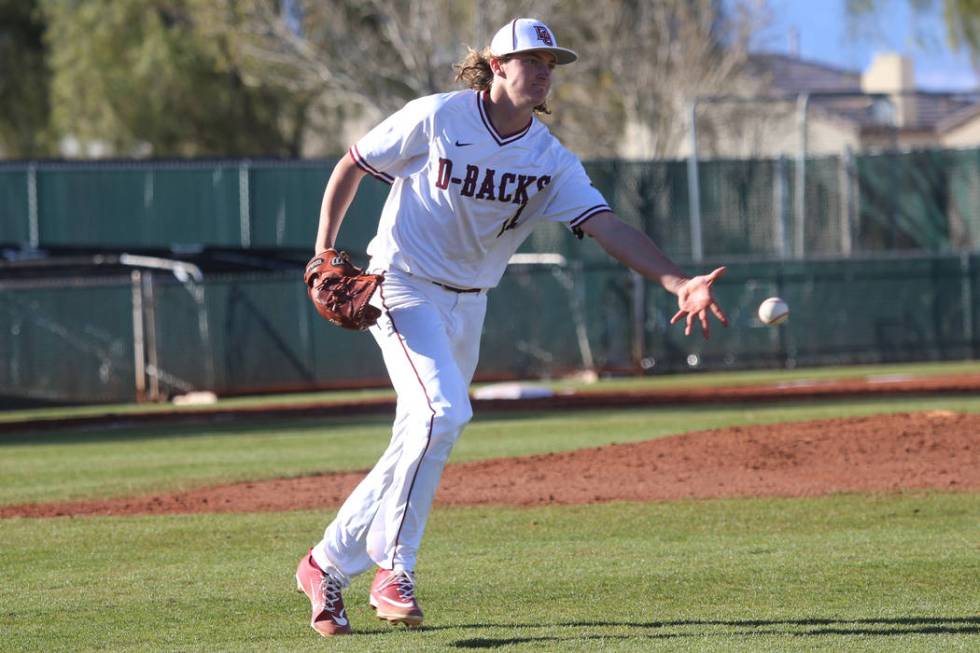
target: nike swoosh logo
397 604
340 619
458 144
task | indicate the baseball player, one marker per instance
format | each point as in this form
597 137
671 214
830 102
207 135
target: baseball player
471 173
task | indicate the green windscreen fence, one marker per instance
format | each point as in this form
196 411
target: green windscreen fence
905 202
738 209
14 205
285 205
925 200
116 339
128 204
650 196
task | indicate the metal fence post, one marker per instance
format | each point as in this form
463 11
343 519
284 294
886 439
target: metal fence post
576 281
847 200
694 185
150 332
802 103
638 317
244 204
780 218
966 302
139 351
33 222
205 334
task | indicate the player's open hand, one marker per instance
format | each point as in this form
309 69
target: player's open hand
695 299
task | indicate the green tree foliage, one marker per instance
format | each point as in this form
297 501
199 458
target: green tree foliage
23 81
305 77
358 60
137 77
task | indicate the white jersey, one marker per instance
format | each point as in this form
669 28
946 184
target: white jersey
463 196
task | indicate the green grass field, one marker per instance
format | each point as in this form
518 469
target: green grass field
853 573
898 572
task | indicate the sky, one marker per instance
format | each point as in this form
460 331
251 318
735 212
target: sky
820 27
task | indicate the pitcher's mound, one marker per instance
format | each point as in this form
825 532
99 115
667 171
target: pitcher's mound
882 453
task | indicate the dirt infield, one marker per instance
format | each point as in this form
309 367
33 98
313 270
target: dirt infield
885 453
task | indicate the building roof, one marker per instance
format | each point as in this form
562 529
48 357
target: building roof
931 111
788 74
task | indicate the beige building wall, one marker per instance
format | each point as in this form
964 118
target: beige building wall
771 132
827 136
963 136
742 131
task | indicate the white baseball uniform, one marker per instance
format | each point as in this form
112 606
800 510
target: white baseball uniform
463 198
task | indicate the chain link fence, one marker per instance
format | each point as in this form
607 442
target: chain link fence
151 337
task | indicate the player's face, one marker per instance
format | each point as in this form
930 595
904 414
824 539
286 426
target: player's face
527 77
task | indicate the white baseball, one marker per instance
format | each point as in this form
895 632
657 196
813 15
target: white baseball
773 311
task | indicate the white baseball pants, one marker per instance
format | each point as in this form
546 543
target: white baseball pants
430 339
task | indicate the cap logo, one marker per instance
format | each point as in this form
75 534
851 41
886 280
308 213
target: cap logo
544 35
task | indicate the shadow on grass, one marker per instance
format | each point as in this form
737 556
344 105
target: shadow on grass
742 628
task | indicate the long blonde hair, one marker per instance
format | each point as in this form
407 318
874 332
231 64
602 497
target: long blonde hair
474 71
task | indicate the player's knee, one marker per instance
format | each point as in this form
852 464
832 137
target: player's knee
452 416
447 423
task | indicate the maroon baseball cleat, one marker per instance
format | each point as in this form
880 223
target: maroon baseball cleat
329 617
393 596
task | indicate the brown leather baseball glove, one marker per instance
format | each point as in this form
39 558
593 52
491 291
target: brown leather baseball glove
341 291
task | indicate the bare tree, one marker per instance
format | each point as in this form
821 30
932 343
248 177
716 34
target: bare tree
641 60
644 61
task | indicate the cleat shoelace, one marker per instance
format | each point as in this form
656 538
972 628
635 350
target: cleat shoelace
330 589
405 583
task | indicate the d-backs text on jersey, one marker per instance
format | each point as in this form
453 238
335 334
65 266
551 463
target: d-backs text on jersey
485 184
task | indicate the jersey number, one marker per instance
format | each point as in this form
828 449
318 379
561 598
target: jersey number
512 222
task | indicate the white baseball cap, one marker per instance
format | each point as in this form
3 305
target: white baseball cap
524 34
